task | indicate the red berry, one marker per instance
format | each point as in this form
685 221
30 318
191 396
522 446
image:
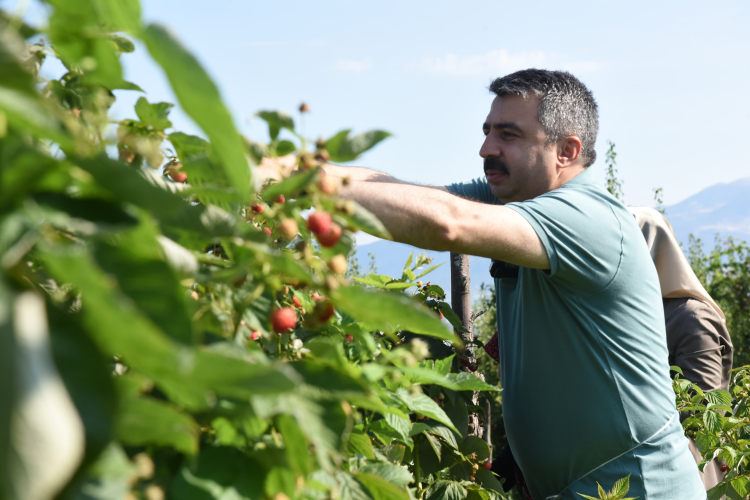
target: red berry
283 320
258 209
268 231
179 176
254 335
316 296
327 312
330 238
488 465
441 314
296 301
319 223
724 468
349 338
280 199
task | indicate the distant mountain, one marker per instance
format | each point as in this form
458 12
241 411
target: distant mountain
721 208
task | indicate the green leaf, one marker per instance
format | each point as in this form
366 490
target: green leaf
463 381
153 115
719 397
146 421
276 120
488 480
127 184
295 443
379 488
717 491
220 473
446 490
428 270
389 311
620 488
473 444
392 473
400 425
343 149
284 148
200 99
291 186
424 406
119 15
712 421
359 443
365 220
676 368
443 366
452 317
740 485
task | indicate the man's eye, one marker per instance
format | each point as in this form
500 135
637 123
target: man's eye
507 135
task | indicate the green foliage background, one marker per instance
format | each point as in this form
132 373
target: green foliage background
157 295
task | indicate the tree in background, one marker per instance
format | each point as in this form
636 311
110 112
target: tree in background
614 185
725 273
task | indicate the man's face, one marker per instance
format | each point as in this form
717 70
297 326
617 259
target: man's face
518 163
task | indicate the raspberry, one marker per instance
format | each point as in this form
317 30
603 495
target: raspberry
288 228
268 231
254 335
724 468
319 223
304 108
330 238
487 465
326 311
258 209
280 199
296 301
179 176
349 338
327 185
338 264
283 320
316 296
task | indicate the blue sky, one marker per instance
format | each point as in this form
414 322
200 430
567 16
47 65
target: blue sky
670 77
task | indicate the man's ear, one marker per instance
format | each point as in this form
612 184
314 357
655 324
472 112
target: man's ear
569 150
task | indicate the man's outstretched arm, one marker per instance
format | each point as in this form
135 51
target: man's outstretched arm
437 220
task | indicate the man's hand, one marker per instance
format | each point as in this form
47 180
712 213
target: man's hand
276 168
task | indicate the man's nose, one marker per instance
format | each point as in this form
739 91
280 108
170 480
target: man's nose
489 148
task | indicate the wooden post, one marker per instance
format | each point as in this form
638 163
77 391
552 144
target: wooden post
461 304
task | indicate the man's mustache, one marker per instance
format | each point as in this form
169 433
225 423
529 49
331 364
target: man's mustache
495 164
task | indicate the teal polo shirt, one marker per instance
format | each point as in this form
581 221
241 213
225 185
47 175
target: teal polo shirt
587 396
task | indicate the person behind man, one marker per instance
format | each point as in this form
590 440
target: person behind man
697 336
587 395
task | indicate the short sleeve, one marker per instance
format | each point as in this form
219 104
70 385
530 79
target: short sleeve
477 189
582 236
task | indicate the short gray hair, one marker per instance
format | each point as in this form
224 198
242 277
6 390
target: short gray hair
566 106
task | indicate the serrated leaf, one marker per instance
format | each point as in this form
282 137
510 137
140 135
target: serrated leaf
620 488
392 473
276 120
712 421
146 421
424 406
428 270
342 148
359 443
474 444
290 187
389 311
379 488
153 115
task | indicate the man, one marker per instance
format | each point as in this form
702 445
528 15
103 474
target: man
587 395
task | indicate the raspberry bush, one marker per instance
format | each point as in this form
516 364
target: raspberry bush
207 343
